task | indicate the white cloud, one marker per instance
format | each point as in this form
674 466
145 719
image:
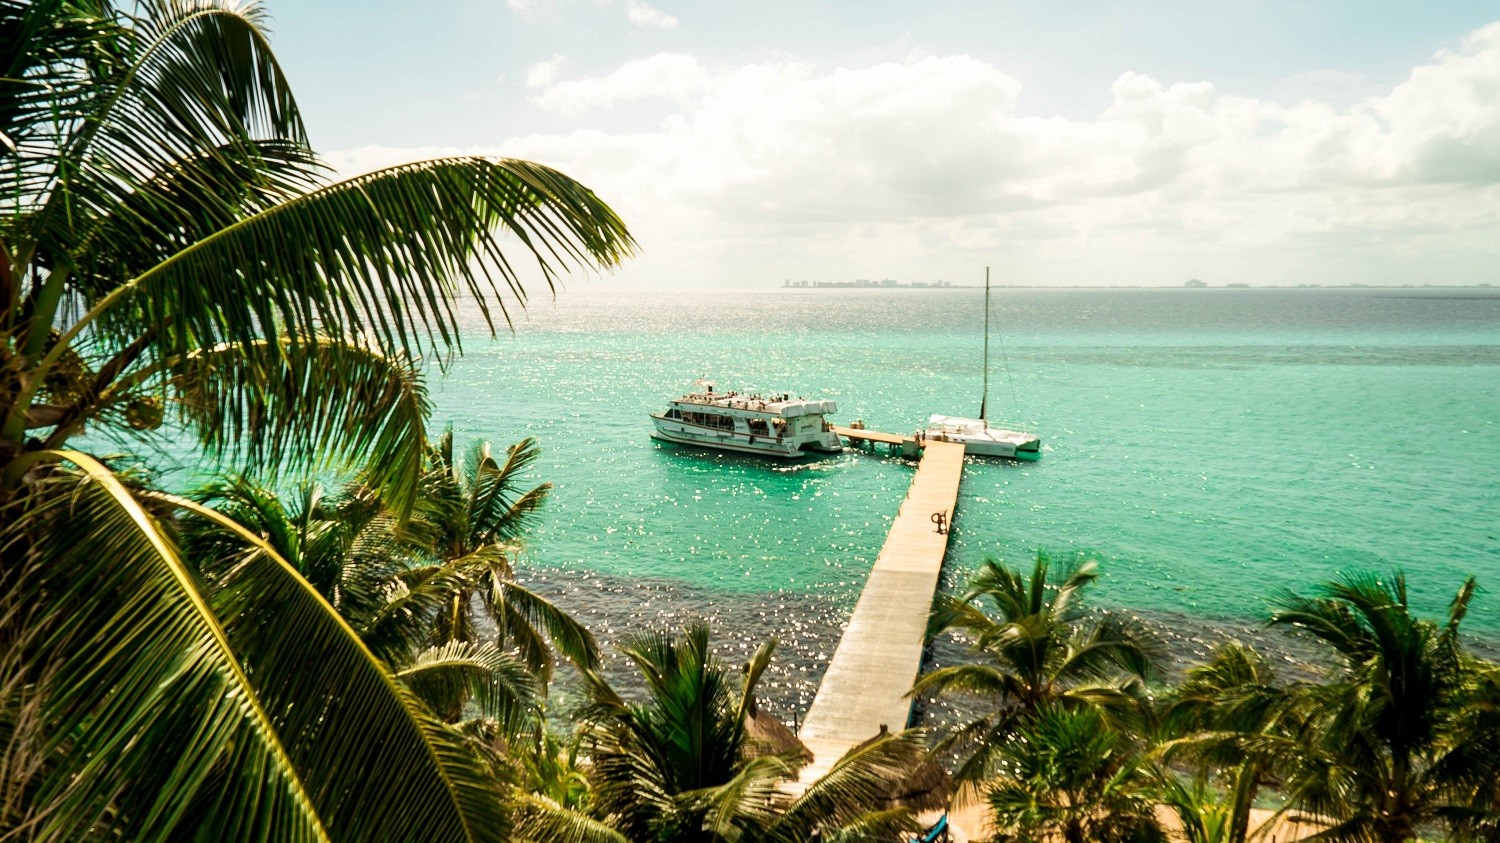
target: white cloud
545 73
668 75
926 169
640 14
637 12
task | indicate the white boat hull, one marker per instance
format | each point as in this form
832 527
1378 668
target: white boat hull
984 441
982 447
679 433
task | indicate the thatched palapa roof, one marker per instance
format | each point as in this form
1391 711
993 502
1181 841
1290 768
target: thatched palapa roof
769 736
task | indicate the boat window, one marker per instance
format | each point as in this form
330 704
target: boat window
673 414
713 420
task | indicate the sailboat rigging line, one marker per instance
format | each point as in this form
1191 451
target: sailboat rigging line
984 399
1015 398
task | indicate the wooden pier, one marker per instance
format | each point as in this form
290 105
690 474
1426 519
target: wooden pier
880 652
895 443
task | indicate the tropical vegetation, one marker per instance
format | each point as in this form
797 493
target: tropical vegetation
684 765
271 657
1394 742
177 262
1039 649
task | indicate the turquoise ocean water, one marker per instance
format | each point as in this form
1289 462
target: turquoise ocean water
1207 446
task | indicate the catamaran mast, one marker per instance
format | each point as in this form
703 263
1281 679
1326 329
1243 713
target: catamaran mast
985 398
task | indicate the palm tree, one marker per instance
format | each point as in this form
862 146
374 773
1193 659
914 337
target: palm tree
472 514
1070 776
1385 746
1475 763
1218 716
1038 648
345 550
680 767
169 244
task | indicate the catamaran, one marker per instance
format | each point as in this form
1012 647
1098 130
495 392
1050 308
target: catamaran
775 425
976 435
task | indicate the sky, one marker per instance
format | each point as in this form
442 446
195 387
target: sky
1061 143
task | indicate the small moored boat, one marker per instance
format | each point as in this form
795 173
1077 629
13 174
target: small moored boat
976 435
980 439
774 425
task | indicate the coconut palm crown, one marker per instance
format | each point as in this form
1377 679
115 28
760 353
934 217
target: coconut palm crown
1386 748
680 765
171 250
1037 647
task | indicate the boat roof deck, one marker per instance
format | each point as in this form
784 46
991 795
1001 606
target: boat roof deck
759 403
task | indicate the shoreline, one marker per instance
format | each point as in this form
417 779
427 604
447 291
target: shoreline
808 625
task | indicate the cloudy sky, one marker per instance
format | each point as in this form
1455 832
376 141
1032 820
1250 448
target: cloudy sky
1063 143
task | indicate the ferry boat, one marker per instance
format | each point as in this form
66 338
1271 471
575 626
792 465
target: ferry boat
774 425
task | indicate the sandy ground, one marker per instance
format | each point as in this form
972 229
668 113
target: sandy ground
970 823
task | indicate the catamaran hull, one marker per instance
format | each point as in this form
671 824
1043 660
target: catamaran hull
988 448
981 440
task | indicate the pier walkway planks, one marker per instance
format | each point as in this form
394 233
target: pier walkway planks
881 650
859 434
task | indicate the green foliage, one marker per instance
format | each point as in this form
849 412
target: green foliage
1384 745
170 246
1069 776
677 766
1036 647
1222 716
197 709
469 518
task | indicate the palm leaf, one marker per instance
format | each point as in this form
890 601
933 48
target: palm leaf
383 255
542 820
193 79
748 798
313 404
498 512
404 622
350 716
447 676
978 679
859 782
570 637
146 676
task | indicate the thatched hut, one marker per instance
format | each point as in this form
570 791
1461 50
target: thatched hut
769 736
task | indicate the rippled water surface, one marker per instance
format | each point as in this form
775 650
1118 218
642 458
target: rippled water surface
1208 446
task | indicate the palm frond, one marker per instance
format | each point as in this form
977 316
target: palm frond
193 80
542 820
570 637
753 670
747 799
859 782
888 824
311 404
383 256
501 512
403 623
350 714
978 679
145 675
500 685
